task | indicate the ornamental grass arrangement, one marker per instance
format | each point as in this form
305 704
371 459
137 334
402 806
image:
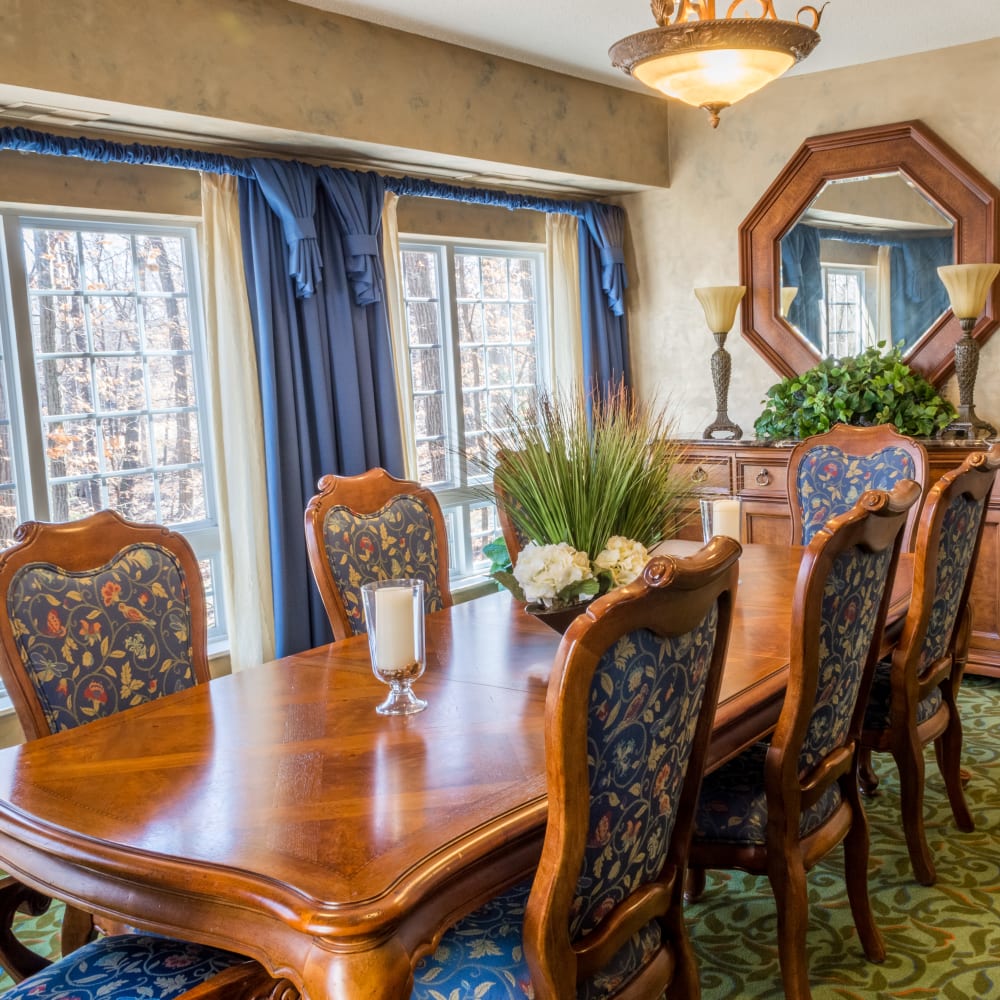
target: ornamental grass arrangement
590 493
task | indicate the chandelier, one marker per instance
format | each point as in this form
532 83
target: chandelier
712 62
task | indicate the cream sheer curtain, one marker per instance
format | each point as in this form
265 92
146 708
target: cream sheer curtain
565 330
882 277
237 429
397 329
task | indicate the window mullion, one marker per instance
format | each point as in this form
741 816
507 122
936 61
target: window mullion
29 434
453 369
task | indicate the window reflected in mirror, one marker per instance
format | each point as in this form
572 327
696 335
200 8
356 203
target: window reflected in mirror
864 256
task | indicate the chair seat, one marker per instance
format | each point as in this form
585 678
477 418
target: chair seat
733 804
126 967
483 956
877 712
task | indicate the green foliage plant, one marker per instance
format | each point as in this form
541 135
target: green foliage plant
870 388
581 479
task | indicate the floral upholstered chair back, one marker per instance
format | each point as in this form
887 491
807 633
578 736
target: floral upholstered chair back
101 615
628 717
844 602
360 529
828 473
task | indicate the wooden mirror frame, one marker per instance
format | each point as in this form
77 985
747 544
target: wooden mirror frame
939 173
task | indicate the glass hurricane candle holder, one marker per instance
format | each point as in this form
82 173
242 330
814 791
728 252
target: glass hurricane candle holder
394 613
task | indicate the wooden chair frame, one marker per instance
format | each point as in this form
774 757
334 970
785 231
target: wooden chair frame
672 597
904 738
857 442
876 523
367 493
76 547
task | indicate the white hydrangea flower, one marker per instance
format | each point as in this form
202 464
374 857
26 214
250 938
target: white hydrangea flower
543 571
623 557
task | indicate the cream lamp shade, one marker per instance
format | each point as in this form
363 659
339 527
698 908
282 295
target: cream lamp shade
719 303
787 298
967 286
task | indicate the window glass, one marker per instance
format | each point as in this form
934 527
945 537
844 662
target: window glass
474 318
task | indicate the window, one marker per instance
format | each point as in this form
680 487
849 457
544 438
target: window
102 390
847 321
475 318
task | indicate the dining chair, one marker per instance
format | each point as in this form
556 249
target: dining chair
913 699
370 527
514 538
131 966
778 807
628 714
101 614
828 472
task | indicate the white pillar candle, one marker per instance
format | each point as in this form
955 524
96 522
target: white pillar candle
727 518
394 627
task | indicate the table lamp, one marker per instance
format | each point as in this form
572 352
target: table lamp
967 286
719 303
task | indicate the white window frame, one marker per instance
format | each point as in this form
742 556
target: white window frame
461 495
20 375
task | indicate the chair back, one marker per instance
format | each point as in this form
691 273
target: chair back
948 540
102 614
629 711
360 529
827 473
514 538
838 615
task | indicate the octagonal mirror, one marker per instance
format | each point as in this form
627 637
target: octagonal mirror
842 251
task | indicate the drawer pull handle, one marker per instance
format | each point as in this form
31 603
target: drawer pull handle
699 476
763 478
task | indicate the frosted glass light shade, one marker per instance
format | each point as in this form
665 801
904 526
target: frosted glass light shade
713 77
719 303
787 298
967 286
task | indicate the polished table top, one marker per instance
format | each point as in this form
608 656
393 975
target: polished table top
275 813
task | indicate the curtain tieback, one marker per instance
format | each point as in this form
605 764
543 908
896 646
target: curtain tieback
361 245
299 227
612 255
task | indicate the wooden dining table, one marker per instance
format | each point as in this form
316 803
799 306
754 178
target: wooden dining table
273 812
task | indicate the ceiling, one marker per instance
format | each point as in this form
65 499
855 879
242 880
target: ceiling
573 36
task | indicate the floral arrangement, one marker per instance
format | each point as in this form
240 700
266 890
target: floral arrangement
591 485
557 575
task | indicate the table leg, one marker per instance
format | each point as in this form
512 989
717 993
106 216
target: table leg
379 973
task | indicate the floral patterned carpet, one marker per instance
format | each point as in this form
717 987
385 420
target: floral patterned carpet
943 941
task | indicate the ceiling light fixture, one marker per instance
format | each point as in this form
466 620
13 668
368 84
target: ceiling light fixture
711 62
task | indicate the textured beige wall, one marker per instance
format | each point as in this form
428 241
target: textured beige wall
278 65
688 236
434 217
105 187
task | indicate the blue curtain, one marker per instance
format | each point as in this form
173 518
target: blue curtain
326 380
800 268
602 297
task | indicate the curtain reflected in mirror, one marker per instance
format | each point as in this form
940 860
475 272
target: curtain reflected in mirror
864 257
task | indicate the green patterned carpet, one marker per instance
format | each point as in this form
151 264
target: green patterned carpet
943 942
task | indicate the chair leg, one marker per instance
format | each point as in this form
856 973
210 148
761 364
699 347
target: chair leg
686 983
909 758
867 778
856 852
694 884
77 929
791 897
948 751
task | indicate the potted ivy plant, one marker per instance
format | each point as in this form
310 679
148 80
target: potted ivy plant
873 387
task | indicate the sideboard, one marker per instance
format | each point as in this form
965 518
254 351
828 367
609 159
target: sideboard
756 471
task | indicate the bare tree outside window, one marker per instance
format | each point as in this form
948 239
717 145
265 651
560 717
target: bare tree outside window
474 320
110 324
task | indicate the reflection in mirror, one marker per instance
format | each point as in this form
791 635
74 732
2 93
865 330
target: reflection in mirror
864 256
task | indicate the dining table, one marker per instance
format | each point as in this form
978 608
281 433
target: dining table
272 811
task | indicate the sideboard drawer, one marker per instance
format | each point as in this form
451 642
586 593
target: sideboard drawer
762 480
707 475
